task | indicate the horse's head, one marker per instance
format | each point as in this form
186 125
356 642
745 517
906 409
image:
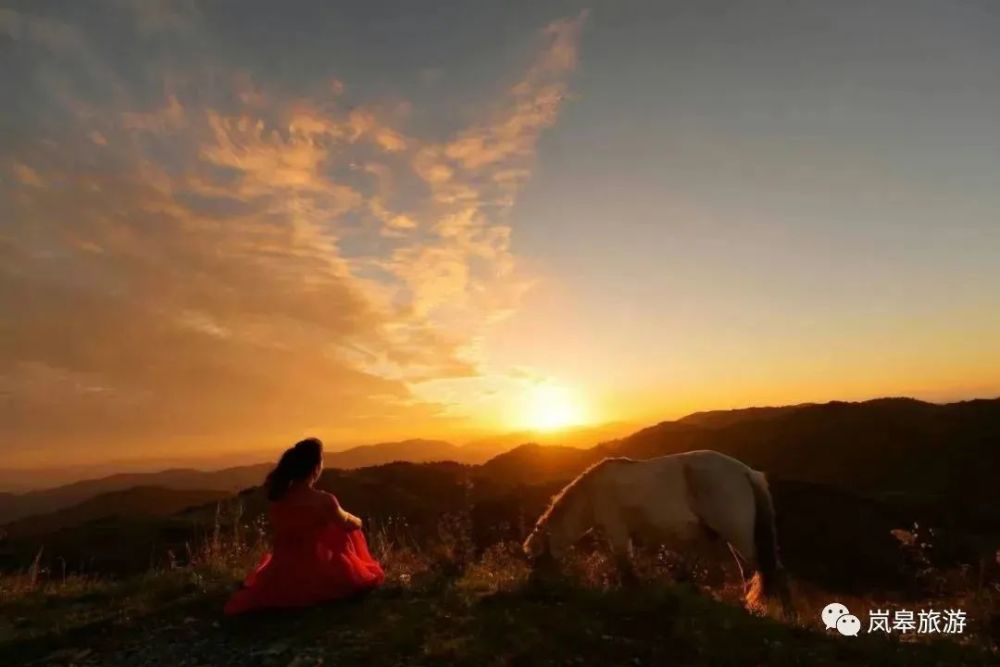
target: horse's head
567 518
537 544
539 552
548 542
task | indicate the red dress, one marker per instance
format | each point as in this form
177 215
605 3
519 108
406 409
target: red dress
315 559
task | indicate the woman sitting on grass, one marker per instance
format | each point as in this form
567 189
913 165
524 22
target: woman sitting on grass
319 553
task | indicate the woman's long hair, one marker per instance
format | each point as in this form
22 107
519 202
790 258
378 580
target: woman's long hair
296 464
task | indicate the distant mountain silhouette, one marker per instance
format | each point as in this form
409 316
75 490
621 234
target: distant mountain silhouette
133 502
18 505
576 436
416 451
718 418
883 447
535 464
231 480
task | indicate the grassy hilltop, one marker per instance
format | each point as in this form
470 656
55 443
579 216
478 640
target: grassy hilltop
435 610
887 504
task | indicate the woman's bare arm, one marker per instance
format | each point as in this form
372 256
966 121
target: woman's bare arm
343 517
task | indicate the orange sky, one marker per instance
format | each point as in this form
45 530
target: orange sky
229 239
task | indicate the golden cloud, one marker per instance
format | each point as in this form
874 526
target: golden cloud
246 270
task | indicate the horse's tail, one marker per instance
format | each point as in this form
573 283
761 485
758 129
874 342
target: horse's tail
769 580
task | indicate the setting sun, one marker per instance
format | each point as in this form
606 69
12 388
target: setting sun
549 407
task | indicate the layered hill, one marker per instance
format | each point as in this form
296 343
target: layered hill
231 480
135 502
415 450
844 475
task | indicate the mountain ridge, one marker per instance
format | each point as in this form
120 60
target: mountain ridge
811 442
843 476
136 501
15 506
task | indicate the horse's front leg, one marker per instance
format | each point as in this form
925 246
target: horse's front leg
626 570
621 546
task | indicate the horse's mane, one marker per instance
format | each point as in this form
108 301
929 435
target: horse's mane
574 487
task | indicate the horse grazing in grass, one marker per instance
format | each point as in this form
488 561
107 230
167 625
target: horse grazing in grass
674 499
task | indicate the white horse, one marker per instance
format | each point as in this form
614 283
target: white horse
673 499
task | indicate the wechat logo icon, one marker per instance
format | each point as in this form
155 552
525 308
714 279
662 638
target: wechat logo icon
836 616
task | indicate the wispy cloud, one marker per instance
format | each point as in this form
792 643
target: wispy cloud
533 106
245 265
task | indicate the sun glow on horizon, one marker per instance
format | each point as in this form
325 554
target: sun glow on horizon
550 407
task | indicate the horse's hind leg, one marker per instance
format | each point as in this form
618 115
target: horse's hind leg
739 565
